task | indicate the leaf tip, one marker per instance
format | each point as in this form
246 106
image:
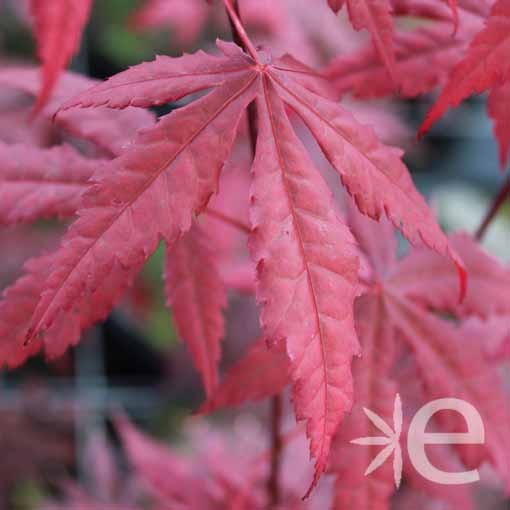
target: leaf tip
463 280
29 337
311 488
320 467
423 129
461 273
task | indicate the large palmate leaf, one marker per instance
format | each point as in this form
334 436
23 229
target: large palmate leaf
451 362
306 259
358 337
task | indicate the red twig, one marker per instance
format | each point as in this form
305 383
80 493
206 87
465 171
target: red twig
273 482
499 200
252 112
240 36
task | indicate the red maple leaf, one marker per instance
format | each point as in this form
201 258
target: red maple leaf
374 16
58 26
169 174
484 67
396 315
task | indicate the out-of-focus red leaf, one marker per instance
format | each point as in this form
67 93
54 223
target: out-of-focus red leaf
424 58
426 277
110 130
41 183
484 66
374 389
498 107
449 365
58 29
261 373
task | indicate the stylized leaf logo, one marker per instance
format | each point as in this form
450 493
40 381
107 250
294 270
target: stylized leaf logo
391 440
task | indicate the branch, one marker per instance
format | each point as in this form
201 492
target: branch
273 482
499 200
240 36
236 25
